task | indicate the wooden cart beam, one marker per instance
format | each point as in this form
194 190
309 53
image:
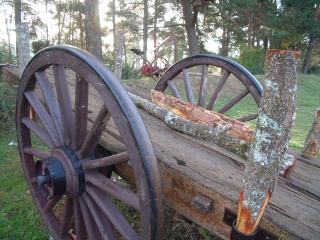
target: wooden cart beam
193 167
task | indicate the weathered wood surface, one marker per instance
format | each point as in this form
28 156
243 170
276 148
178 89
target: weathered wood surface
190 167
312 143
185 117
193 168
273 132
10 74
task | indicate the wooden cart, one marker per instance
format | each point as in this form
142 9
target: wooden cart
79 132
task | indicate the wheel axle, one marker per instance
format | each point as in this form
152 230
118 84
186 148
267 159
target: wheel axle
50 177
53 174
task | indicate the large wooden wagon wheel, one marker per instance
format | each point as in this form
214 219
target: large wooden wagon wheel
215 83
68 174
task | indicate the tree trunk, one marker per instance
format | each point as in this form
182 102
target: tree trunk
274 125
190 25
311 43
23 46
93 31
175 46
312 143
155 29
308 56
145 27
81 26
225 41
17 21
250 28
9 40
114 23
118 54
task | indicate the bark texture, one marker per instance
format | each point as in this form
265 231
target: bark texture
203 116
200 123
312 144
93 30
23 46
274 125
190 19
118 54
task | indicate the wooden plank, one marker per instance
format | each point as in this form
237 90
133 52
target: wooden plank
11 75
190 166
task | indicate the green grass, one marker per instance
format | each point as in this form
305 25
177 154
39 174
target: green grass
19 218
307 104
308 101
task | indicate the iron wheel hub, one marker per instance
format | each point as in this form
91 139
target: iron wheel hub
61 173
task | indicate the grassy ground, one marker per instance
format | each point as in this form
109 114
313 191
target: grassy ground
20 220
308 101
18 216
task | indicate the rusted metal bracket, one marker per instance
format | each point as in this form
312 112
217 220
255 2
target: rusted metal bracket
262 234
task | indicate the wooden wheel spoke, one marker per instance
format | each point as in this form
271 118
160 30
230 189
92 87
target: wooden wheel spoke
39 131
106 161
80 112
112 212
218 89
187 84
234 101
36 152
101 220
51 203
43 116
51 101
80 108
114 189
79 221
90 225
66 218
203 85
174 89
64 102
95 132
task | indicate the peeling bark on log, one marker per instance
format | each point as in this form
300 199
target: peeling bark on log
274 125
200 115
222 130
312 144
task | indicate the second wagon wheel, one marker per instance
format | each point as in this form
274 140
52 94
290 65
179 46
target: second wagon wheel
61 88
215 83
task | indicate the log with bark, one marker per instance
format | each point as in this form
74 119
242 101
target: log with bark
273 131
195 121
312 143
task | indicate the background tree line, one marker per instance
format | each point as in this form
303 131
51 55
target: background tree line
241 29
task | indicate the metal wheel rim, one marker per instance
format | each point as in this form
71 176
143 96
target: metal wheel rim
252 85
131 128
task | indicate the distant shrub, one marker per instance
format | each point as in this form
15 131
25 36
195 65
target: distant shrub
252 58
7 107
5 56
126 71
314 69
38 45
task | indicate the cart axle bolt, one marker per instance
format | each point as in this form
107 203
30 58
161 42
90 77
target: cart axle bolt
50 177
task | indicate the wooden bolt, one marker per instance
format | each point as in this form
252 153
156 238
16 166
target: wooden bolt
202 202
